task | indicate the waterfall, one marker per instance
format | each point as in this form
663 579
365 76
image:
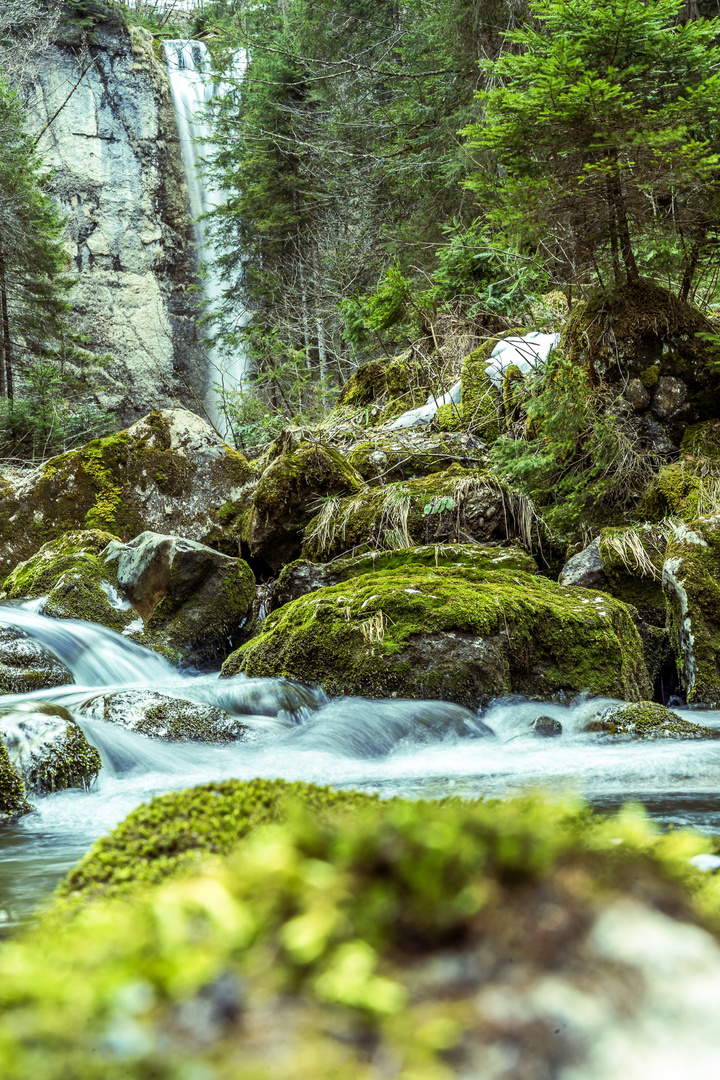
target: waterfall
192 87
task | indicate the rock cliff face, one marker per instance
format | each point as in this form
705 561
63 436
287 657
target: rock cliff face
119 179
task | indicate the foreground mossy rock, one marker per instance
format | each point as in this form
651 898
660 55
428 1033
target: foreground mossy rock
691 583
459 635
12 788
450 507
298 476
180 597
432 933
648 720
301 577
166 836
170 471
162 717
47 747
26 666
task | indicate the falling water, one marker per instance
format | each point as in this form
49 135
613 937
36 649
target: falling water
192 87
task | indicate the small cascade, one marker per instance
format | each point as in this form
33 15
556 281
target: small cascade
192 87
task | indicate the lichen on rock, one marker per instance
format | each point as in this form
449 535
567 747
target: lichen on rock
460 635
160 716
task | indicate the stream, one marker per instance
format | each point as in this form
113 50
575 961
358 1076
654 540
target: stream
417 749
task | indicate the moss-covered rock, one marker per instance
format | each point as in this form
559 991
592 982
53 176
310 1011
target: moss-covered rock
691 583
26 666
459 635
449 417
302 576
406 385
365 385
162 717
12 788
47 747
167 835
169 471
689 487
632 562
423 935
405 455
647 720
284 498
452 506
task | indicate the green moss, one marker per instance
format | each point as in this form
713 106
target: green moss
512 393
459 635
12 788
384 458
649 377
47 747
366 385
168 835
321 937
406 384
702 440
161 717
648 720
449 418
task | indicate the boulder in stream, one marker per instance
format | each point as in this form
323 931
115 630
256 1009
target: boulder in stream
26 666
12 788
168 593
160 716
458 635
647 720
47 747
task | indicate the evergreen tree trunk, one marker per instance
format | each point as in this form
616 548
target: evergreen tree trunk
619 212
5 344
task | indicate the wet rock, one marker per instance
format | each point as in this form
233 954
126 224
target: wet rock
280 698
460 635
47 747
162 717
174 595
546 727
170 472
637 395
26 666
669 397
585 569
647 720
301 577
189 596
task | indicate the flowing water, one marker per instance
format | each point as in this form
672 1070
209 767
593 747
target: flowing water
418 749
193 88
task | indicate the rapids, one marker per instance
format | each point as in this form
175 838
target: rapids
418 749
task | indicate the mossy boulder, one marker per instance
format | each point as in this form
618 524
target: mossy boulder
632 562
174 595
365 386
26 666
292 484
162 717
420 934
691 583
47 748
689 487
301 577
167 835
452 506
406 386
404 455
647 720
13 802
459 635
169 471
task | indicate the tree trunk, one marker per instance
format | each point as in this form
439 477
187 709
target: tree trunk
620 213
690 268
612 222
5 343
